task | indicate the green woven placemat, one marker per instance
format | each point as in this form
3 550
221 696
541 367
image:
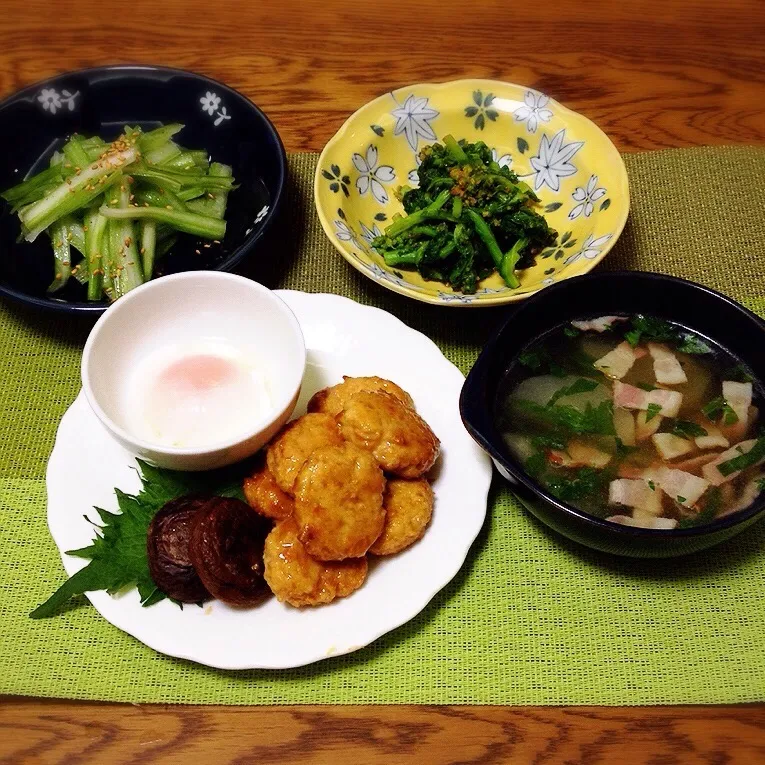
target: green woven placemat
531 618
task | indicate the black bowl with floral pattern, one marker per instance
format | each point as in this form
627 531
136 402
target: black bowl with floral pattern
38 120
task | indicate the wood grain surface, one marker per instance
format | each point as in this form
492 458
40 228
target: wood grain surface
33 731
652 74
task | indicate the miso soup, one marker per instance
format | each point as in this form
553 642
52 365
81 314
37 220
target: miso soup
636 420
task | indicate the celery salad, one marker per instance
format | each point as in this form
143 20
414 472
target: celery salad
112 209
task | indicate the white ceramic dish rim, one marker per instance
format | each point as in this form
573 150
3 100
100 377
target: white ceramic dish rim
124 303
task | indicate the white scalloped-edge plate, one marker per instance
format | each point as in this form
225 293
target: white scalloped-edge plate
342 337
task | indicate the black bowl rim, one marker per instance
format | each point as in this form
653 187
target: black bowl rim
516 471
237 255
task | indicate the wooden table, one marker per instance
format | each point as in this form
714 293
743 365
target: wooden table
652 74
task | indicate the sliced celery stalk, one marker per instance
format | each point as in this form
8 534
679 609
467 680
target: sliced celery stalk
214 206
188 159
75 233
177 179
80 271
192 192
75 192
61 254
33 188
75 154
94 240
148 246
191 223
157 137
165 245
162 153
124 250
157 198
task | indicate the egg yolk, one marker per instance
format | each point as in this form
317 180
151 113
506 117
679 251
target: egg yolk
196 374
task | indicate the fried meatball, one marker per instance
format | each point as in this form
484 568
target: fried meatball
408 510
300 580
400 440
333 400
293 445
226 549
338 502
264 496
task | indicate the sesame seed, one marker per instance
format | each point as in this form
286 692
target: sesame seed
197 252
84 228
168 207
143 250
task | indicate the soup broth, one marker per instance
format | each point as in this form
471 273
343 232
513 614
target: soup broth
636 420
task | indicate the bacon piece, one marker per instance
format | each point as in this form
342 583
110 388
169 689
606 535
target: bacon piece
694 464
739 398
635 494
710 470
616 363
666 367
630 397
601 324
579 454
670 446
713 439
684 488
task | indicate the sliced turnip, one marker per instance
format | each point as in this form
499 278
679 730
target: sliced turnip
645 428
714 438
635 494
624 425
644 521
666 367
738 397
670 446
617 362
579 454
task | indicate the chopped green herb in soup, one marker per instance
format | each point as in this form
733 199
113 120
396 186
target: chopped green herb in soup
636 420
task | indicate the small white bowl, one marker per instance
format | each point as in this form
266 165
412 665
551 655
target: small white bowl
185 308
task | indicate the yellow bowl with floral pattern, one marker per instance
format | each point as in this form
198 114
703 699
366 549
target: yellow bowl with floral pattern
571 164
